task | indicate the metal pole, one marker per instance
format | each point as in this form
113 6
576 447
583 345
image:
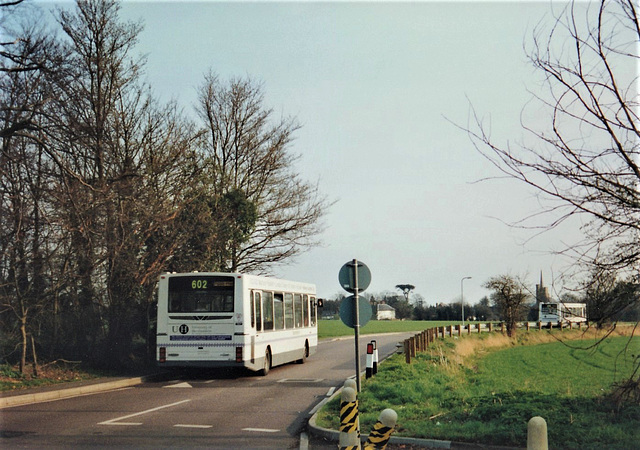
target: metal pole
356 326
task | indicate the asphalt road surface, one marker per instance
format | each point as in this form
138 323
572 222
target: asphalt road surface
212 409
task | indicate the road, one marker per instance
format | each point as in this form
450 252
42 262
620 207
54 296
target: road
217 409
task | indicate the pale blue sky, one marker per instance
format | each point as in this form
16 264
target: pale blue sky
373 85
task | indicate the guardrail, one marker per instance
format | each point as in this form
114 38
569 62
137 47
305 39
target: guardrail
421 341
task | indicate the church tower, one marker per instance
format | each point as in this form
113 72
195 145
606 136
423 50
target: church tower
542 293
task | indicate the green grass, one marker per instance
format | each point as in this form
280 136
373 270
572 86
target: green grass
335 328
491 395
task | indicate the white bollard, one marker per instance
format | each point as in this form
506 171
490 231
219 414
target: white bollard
375 357
537 434
369 370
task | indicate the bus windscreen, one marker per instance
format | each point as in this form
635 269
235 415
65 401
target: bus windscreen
201 294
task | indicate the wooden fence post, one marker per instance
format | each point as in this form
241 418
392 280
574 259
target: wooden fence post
490 327
407 352
502 327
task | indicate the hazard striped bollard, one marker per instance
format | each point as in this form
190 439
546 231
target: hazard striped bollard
381 433
351 383
349 433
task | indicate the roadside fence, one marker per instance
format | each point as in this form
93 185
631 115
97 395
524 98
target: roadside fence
421 341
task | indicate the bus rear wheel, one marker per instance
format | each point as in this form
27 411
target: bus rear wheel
267 363
305 353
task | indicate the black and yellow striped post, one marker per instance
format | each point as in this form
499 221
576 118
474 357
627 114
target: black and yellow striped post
381 433
351 383
349 433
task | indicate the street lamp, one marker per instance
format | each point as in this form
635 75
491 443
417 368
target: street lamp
462 296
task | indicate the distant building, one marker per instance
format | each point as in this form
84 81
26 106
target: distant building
385 312
542 293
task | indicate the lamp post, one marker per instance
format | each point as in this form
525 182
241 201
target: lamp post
462 296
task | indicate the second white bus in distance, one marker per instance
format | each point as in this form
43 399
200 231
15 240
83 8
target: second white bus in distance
562 312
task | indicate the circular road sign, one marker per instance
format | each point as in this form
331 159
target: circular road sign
348 311
347 278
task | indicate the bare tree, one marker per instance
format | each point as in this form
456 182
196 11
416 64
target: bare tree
26 239
587 159
510 296
248 155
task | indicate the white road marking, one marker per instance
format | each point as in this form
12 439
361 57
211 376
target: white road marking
179 385
301 380
182 425
115 421
261 430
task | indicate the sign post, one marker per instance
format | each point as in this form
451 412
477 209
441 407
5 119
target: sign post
354 277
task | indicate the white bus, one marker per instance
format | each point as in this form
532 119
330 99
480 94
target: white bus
562 312
210 319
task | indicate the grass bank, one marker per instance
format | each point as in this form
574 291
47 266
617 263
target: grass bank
484 388
335 328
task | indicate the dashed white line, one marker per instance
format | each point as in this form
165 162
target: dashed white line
261 430
183 425
117 419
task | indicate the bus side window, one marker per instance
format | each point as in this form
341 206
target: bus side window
258 306
298 309
253 310
267 304
305 310
313 311
288 311
278 311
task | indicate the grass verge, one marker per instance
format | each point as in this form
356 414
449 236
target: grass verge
335 328
485 388
12 380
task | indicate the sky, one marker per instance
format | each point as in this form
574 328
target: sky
379 89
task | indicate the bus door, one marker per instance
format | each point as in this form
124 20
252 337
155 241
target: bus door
256 321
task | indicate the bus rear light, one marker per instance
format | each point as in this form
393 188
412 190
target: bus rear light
238 354
162 357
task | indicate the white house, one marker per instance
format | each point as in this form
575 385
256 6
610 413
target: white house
385 312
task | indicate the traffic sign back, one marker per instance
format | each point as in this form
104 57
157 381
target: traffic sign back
347 276
348 311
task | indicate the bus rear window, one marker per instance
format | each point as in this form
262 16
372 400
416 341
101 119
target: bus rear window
201 294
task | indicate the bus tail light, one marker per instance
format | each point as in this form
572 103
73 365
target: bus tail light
162 356
238 354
